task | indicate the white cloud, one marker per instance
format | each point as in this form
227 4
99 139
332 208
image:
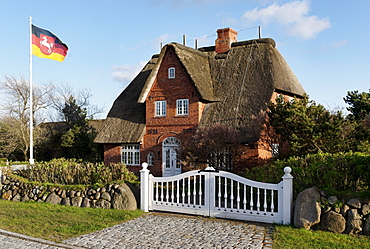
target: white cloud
293 16
126 73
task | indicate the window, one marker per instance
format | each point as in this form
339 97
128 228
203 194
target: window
182 107
160 108
171 73
221 159
275 150
150 159
131 154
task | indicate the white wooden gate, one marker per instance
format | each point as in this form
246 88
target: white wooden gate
218 194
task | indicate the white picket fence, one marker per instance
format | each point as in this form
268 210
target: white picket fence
218 194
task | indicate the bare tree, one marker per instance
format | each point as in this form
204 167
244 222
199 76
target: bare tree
8 140
216 145
63 93
16 110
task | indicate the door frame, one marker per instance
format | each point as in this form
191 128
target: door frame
172 144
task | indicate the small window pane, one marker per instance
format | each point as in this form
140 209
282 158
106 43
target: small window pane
171 73
150 159
130 154
275 149
182 107
160 108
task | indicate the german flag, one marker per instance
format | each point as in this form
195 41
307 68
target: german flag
47 45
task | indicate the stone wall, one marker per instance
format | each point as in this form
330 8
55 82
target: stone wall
110 196
314 209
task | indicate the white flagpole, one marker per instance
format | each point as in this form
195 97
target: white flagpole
31 160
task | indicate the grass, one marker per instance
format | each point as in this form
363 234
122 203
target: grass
57 222
288 237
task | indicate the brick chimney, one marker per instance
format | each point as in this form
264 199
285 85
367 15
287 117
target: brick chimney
224 39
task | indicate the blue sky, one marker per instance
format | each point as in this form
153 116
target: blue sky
325 42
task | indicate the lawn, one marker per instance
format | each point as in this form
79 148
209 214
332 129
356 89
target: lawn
289 237
57 222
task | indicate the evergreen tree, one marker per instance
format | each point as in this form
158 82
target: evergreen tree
359 107
78 139
308 127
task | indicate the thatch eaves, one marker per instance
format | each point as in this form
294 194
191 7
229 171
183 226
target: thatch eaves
125 121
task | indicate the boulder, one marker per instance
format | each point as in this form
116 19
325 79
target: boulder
76 201
103 204
7 195
66 201
307 209
367 227
85 202
105 196
353 222
354 203
333 222
63 194
25 198
365 210
53 198
17 197
344 210
123 198
332 200
91 192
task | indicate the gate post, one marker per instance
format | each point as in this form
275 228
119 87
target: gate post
144 188
287 195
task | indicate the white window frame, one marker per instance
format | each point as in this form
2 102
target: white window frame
275 149
182 107
160 108
130 154
171 73
150 159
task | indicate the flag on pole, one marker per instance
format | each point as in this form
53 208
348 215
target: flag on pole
47 45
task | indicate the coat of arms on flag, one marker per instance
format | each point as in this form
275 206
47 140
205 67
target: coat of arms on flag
47 45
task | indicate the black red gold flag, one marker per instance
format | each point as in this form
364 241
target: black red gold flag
47 45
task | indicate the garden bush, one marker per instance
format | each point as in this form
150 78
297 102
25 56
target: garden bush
76 172
347 172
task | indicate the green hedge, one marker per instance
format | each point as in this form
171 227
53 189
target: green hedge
340 172
76 172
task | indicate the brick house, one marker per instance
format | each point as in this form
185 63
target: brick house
183 88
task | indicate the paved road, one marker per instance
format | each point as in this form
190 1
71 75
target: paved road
158 230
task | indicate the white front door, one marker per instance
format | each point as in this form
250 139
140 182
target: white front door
170 158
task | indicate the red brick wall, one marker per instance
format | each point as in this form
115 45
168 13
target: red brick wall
159 128
112 153
225 37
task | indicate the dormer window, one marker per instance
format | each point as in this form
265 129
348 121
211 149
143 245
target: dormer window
171 73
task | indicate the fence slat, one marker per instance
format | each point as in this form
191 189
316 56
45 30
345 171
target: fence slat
238 197
219 194
225 194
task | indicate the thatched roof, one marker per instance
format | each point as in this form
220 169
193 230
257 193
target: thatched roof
125 122
245 79
196 64
237 87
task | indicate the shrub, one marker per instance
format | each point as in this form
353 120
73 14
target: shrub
76 172
340 172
